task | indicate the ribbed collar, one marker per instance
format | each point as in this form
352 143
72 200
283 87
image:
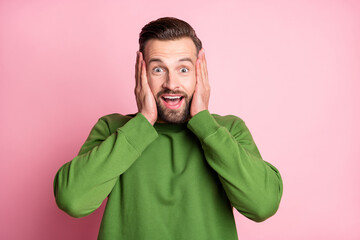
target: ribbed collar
169 127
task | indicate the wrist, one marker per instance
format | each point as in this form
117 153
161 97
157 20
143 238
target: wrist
148 117
197 111
203 124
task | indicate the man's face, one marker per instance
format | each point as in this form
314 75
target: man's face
171 74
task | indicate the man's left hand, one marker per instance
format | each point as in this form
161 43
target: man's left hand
201 95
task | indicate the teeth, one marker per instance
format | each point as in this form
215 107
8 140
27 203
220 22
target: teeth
172 97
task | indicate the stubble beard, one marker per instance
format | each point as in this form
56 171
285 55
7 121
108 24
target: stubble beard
175 116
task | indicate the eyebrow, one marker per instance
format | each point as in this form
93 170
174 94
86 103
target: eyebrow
180 60
186 60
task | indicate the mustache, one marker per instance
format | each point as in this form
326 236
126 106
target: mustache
168 91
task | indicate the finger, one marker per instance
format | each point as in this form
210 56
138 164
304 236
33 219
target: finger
142 69
203 56
136 63
198 71
137 69
143 80
205 65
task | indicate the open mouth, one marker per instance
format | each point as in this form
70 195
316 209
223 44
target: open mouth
172 101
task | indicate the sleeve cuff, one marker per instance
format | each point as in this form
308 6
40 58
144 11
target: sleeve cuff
139 132
203 124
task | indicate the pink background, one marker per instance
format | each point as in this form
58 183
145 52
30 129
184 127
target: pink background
290 69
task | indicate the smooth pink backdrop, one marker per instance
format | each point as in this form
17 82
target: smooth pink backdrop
290 69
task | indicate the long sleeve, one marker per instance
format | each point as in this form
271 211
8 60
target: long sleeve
253 186
81 185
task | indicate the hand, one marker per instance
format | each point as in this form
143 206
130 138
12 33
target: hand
201 95
144 97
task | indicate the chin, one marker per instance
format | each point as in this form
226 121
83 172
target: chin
177 116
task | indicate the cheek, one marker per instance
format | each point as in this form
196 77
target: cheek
191 85
154 84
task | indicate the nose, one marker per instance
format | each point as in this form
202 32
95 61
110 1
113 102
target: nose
171 81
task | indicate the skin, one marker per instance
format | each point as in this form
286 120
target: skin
171 68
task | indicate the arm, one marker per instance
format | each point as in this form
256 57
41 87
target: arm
81 185
253 186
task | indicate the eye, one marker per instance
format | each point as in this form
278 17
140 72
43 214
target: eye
157 70
184 70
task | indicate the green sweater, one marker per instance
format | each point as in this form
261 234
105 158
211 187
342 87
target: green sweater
169 181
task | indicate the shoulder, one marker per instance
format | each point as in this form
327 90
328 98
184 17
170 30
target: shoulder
117 117
115 120
239 130
229 121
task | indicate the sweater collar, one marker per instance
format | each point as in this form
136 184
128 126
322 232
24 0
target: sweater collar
170 127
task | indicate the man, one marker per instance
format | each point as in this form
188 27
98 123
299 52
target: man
173 170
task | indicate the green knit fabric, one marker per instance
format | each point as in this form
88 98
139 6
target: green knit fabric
169 181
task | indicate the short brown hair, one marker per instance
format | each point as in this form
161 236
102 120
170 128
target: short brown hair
167 28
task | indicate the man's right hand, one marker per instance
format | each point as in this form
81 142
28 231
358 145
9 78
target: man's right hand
144 97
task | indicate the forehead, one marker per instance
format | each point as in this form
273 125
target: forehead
170 49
